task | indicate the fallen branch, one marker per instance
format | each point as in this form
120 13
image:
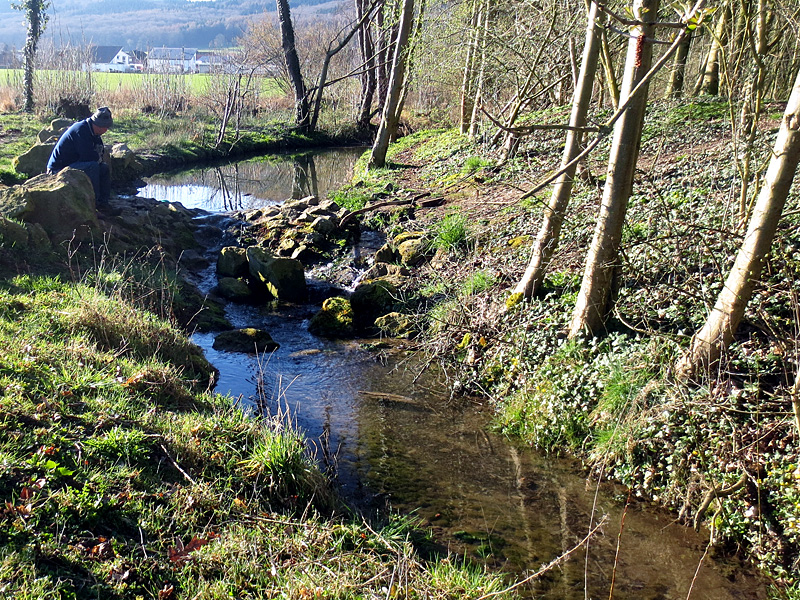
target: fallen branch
372 207
177 466
716 493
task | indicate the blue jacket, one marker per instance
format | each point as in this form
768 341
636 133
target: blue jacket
78 144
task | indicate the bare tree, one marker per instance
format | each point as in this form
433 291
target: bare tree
550 230
391 115
601 262
302 114
36 18
717 333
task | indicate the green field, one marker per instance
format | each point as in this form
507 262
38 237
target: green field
196 84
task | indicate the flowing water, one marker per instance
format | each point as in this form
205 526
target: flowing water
395 440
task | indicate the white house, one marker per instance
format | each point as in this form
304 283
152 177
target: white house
172 60
109 59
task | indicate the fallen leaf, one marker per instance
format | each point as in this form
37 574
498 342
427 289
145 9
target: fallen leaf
180 554
102 551
166 592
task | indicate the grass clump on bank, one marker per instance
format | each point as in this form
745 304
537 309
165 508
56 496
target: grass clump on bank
121 476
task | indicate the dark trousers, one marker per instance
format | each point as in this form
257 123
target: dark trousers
100 174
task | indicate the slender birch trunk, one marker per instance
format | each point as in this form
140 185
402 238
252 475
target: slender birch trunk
717 333
550 230
468 81
603 257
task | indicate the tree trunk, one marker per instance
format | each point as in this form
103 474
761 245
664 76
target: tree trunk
37 19
302 115
718 331
468 81
369 76
547 239
602 259
710 82
483 31
677 76
391 116
385 36
608 69
752 106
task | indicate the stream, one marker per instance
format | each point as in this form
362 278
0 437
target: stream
396 441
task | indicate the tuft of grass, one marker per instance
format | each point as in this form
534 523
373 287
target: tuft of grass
478 282
452 233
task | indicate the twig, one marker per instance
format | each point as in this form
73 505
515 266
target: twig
177 466
697 570
553 563
372 207
716 493
619 545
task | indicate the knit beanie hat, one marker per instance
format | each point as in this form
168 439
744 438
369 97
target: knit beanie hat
102 117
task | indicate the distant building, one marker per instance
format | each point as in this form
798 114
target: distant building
110 59
210 62
172 60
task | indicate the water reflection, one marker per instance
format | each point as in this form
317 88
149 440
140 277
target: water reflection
397 441
257 182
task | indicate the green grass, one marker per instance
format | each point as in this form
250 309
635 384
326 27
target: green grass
196 84
121 477
452 233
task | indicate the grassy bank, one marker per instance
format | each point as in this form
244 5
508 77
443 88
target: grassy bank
723 453
122 477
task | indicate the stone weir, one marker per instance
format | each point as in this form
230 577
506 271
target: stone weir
272 256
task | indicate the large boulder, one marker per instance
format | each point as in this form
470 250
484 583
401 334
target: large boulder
248 339
34 161
234 289
334 320
372 299
125 165
284 278
62 204
232 262
57 128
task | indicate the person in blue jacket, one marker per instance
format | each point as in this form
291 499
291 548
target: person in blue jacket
81 147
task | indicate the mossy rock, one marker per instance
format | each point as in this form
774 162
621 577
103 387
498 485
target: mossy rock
373 299
397 325
412 252
234 289
334 320
232 262
408 235
248 339
386 254
284 278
